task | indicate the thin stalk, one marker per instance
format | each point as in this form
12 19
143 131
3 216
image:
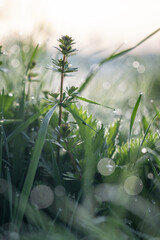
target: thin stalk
61 92
60 106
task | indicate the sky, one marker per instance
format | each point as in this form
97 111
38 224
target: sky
95 25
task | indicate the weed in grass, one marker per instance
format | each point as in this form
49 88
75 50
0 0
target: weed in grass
99 185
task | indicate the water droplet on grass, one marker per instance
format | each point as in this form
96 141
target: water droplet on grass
106 166
150 176
133 185
10 94
144 150
41 196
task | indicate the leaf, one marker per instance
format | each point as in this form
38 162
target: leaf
92 102
33 166
111 137
111 57
32 58
8 121
134 115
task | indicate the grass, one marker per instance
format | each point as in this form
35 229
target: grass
50 147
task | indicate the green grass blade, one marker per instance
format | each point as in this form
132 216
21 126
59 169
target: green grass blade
112 57
8 121
32 58
33 166
133 116
145 134
27 123
92 102
147 130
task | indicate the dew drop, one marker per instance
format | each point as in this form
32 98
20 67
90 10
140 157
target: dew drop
10 94
106 166
150 176
133 185
41 196
144 150
141 93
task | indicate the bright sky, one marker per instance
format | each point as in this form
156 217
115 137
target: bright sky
93 24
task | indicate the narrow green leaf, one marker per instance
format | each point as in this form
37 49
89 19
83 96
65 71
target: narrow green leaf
92 102
145 134
147 130
27 123
8 121
112 57
32 58
33 166
134 115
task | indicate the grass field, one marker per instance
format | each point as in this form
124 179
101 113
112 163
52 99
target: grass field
79 158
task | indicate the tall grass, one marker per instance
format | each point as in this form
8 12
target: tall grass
102 185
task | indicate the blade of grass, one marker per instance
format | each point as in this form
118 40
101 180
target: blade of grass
133 116
146 132
32 58
33 166
112 57
93 102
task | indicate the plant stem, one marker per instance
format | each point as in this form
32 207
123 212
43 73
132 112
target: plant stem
61 92
60 106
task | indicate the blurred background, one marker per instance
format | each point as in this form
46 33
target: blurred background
99 28
95 25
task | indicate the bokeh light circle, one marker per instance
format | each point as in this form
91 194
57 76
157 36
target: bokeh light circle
106 166
59 191
133 185
41 196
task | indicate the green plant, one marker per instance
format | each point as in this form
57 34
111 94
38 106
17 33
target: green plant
89 202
